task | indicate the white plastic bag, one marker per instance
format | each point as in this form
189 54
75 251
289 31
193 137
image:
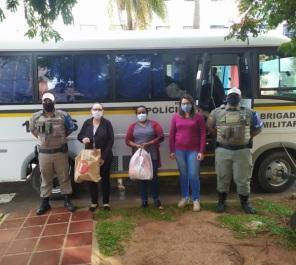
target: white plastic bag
140 166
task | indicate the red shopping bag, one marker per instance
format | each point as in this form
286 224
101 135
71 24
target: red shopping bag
87 167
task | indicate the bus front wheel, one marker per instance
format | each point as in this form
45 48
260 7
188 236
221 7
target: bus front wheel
275 172
56 190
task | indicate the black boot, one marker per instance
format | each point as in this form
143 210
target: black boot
44 207
245 205
68 205
221 207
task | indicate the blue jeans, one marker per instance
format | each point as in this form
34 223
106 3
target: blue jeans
189 173
154 185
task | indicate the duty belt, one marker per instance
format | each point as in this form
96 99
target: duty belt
62 149
233 147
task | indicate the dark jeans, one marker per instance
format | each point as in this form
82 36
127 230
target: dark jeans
105 184
153 185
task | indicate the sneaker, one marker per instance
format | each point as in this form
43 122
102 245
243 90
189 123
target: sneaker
196 206
93 207
183 202
121 187
106 206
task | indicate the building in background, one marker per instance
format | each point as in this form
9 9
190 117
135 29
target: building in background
96 17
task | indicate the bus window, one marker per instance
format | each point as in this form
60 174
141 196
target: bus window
92 77
133 76
55 74
169 75
74 78
228 74
277 76
16 79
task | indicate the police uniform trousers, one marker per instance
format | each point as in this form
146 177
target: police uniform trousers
52 165
236 164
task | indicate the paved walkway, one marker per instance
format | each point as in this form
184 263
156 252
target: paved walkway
57 238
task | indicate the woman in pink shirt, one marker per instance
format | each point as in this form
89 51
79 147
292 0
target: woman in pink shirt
187 146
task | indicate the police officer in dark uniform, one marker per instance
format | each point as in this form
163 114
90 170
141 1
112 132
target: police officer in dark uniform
51 127
235 126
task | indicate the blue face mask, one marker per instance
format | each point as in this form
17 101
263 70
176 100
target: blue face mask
186 107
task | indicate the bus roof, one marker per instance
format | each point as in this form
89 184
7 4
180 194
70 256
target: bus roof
143 40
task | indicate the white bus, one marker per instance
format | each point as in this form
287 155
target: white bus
129 69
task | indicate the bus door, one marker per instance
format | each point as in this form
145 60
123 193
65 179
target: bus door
217 73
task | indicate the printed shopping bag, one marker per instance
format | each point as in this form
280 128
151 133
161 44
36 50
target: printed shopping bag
140 166
87 167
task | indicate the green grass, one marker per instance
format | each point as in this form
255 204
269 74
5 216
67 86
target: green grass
271 218
112 234
272 208
209 206
241 223
115 227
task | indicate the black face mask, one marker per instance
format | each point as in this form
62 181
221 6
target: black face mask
48 107
233 100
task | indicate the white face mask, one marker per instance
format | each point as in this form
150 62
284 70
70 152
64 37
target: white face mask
97 114
142 117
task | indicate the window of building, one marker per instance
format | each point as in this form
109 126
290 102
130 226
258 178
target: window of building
277 75
16 84
118 27
288 32
86 27
218 27
162 27
187 27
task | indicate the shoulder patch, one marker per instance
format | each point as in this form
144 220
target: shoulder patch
61 112
37 114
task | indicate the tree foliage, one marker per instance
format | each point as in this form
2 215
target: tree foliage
40 15
259 16
139 13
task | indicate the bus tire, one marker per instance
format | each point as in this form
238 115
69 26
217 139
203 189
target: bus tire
270 172
56 191
35 178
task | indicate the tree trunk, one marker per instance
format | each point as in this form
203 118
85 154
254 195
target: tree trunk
129 19
196 15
